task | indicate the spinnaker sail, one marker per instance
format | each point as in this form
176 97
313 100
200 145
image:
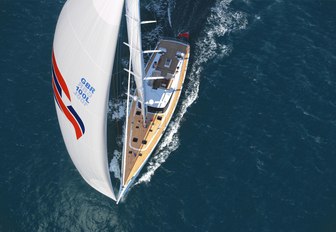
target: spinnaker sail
82 61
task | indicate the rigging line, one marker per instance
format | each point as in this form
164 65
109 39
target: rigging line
127 106
117 83
114 83
120 82
119 79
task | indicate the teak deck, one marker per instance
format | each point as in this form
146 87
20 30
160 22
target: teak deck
142 140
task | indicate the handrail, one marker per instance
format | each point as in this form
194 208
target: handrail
181 40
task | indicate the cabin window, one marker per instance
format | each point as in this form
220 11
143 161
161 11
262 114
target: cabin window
155 64
138 113
168 62
155 110
144 141
135 140
159 118
158 110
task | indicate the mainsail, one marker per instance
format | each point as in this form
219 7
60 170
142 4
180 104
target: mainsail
83 54
135 45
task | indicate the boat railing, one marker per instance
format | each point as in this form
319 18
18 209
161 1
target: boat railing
181 40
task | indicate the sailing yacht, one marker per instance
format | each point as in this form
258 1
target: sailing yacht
84 50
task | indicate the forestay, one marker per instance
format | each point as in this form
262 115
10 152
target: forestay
83 54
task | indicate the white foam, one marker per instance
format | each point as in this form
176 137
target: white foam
221 21
159 8
116 109
114 165
171 4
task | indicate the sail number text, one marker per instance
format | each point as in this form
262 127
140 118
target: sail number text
84 91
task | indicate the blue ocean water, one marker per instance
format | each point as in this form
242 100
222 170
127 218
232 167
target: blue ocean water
251 147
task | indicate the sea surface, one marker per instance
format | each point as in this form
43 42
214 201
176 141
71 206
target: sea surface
252 146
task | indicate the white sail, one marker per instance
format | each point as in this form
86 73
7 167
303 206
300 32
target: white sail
83 54
135 45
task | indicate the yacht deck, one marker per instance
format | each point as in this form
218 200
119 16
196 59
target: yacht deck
143 140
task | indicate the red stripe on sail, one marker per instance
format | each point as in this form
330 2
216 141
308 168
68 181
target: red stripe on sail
67 112
59 77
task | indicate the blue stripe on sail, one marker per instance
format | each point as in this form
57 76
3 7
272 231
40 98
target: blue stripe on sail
78 119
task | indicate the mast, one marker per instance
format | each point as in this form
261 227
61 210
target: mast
136 54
